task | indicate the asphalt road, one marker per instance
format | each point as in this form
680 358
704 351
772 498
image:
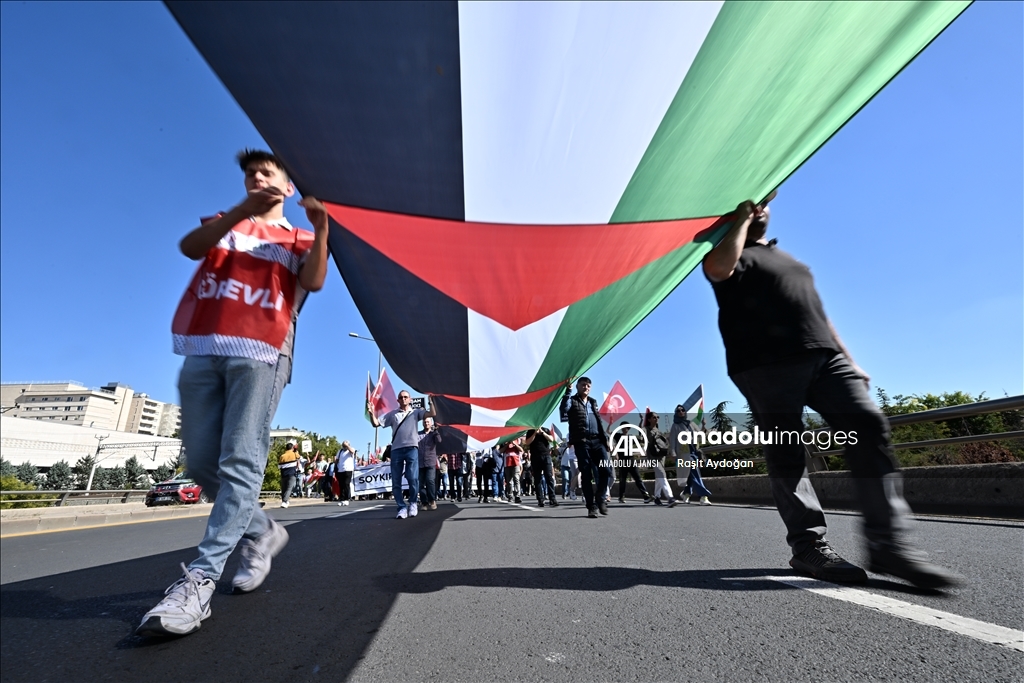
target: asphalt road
506 593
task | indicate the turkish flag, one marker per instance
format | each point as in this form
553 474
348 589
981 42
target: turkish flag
383 397
617 404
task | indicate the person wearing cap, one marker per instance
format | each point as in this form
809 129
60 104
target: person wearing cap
783 353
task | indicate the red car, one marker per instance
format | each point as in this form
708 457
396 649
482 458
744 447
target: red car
178 489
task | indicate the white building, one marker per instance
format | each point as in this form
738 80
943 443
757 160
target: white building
154 418
69 402
114 406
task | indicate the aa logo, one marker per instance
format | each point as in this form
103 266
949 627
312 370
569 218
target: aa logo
628 441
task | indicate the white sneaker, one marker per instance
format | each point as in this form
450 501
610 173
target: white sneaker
413 510
256 556
284 504
182 611
402 513
704 500
344 502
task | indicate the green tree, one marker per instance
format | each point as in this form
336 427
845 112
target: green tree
81 471
720 420
135 475
164 472
114 478
27 473
60 477
6 468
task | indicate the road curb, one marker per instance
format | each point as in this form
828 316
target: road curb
18 522
27 525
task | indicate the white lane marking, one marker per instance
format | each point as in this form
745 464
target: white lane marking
965 626
352 512
519 505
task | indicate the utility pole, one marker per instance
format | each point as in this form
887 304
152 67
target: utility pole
96 462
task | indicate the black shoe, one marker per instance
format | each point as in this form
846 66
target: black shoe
621 499
657 501
518 499
602 507
459 499
592 513
825 564
540 503
910 565
553 503
647 499
672 503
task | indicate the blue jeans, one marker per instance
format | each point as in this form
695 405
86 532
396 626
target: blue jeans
405 461
227 405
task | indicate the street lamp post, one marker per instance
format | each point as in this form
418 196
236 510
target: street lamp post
379 360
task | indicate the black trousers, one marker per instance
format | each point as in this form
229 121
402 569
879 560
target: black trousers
542 467
592 456
635 474
826 382
344 481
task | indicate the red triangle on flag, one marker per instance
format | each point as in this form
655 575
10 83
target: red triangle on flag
506 402
486 433
548 267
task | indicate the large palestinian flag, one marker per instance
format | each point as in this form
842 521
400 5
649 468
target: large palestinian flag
514 187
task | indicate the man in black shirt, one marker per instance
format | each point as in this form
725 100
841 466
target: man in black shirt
539 442
783 353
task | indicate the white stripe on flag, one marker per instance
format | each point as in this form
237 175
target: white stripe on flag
503 362
568 97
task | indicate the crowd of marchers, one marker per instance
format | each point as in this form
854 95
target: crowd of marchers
533 466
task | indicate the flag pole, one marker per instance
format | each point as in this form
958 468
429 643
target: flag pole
376 429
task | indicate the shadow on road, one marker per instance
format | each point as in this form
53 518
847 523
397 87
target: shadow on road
316 613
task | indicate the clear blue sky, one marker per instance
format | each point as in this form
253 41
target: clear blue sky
116 137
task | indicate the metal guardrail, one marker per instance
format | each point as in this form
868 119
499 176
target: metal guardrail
996 405
77 497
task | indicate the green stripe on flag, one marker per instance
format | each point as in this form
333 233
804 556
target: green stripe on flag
771 83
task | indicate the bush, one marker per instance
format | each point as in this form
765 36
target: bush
12 483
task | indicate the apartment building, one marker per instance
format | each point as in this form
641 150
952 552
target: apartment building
70 402
155 418
114 406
